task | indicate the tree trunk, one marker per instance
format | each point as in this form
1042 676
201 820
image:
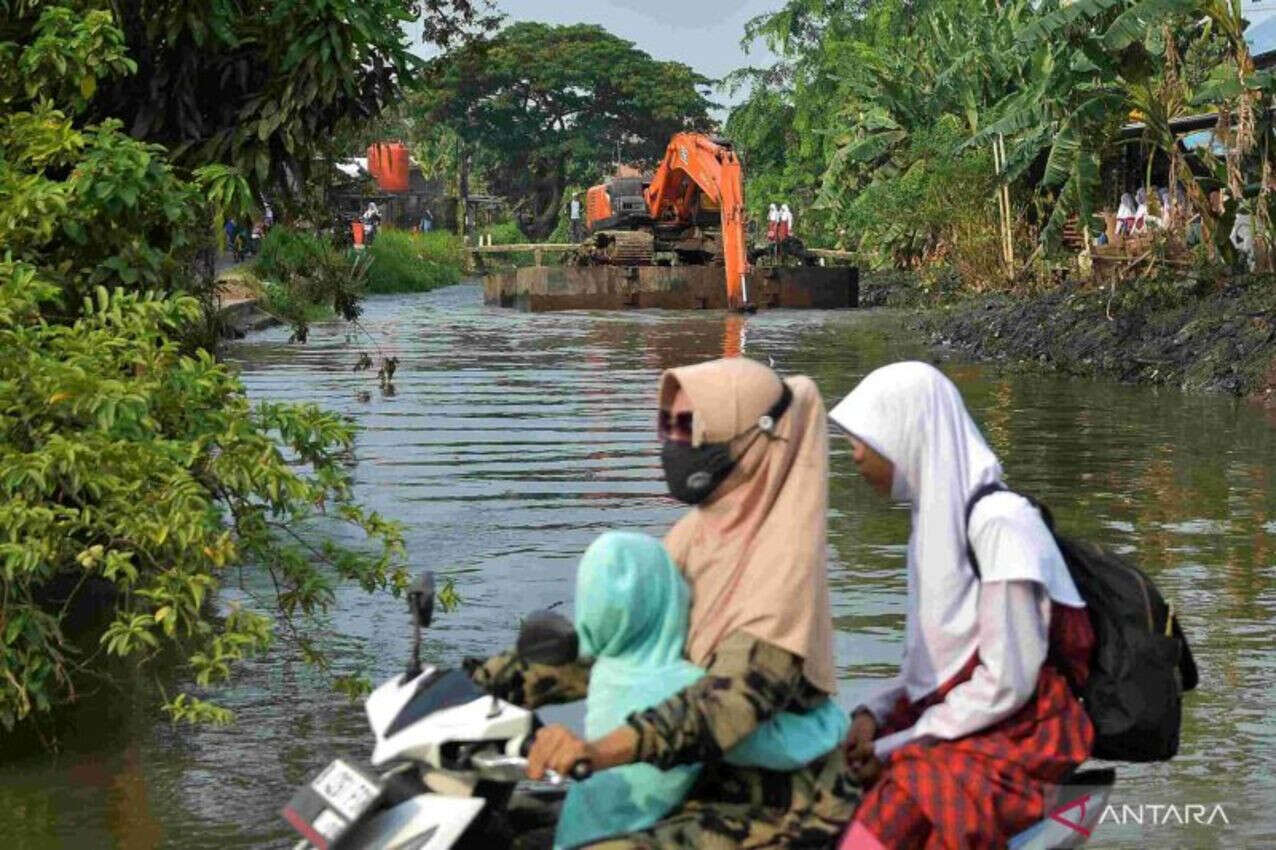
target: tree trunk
545 201
462 187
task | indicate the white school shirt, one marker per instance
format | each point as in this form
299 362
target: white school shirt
1013 618
575 209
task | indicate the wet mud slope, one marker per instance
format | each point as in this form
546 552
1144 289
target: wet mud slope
1223 340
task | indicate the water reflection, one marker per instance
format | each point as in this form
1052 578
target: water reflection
510 440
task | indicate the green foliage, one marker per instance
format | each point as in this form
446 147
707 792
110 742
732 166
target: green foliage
261 87
287 252
137 480
853 106
292 307
309 278
915 215
413 262
448 597
145 475
505 233
226 190
859 106
539 106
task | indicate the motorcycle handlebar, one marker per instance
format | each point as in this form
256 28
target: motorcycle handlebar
580 771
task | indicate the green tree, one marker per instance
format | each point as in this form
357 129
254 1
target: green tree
855 118
136 478
863 91
257 86
539 107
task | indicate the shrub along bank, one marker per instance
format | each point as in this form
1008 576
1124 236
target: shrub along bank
400 261
137 479
306 278
1187 332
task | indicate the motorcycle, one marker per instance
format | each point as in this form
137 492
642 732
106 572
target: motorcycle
448 768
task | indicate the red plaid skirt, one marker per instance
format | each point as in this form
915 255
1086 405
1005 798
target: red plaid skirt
976 792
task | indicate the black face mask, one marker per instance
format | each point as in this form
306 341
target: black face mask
694 472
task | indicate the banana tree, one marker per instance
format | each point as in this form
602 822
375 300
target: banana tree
1096 63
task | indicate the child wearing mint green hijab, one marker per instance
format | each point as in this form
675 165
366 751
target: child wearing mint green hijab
632 610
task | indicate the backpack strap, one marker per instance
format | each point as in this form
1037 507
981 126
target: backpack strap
984 490
987 490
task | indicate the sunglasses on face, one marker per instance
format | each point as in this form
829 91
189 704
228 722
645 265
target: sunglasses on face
671 427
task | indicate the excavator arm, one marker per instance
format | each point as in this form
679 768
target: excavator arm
695 165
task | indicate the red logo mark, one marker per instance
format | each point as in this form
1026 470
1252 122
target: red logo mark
1079 824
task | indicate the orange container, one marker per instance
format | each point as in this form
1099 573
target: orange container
356 228
388 164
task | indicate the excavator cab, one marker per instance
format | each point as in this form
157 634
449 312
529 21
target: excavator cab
617 204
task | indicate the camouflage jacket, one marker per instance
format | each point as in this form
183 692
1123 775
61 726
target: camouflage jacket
747 681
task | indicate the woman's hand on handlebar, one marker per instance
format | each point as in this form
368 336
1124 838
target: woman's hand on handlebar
558 749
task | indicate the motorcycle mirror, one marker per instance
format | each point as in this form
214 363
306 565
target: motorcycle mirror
547 638
421 598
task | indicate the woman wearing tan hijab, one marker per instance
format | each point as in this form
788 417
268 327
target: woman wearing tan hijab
749 452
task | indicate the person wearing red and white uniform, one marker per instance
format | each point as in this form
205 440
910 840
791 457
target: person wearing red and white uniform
957 751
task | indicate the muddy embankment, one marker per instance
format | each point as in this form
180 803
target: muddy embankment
1184 333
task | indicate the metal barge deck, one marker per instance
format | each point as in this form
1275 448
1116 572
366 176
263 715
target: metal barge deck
544 288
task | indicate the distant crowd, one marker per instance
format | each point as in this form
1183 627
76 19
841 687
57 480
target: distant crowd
1138 215
243 236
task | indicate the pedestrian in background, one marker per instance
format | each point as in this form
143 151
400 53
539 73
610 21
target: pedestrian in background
575 217
229 228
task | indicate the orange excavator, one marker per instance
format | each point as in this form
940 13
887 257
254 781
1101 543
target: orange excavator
691 211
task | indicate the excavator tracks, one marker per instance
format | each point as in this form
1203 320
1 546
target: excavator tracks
624 247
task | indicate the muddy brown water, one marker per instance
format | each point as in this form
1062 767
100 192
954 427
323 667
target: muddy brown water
512 440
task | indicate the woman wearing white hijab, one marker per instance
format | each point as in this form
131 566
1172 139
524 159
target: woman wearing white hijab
773 224
786 222
961 744
1141 211
1125 215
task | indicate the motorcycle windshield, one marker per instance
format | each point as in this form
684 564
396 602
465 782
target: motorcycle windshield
446 689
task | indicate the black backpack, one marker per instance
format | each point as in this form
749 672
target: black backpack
1141 664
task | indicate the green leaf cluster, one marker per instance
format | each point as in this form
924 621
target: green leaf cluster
138 483
539 107
261 87
866 114
399 261
146 477
846 123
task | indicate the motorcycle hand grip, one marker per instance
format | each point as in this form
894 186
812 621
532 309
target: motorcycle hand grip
580 771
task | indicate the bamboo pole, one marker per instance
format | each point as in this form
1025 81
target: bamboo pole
1003 205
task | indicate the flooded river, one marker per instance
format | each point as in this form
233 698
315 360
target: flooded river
511 440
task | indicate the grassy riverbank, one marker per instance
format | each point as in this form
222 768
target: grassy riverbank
413 262
1183 332
302 277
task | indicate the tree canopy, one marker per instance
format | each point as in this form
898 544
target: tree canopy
539 107
880 117
258 86
136 478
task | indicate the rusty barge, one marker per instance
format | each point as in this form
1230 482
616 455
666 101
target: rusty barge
565 287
